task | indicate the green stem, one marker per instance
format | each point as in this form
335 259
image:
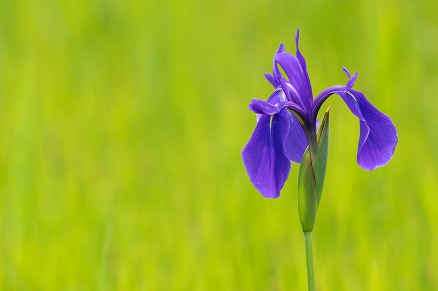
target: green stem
312 139
309 260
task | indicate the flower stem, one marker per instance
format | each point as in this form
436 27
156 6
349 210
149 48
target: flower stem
309 260
312 139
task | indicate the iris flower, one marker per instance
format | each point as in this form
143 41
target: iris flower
287 124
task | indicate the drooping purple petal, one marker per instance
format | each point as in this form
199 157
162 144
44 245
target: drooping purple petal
378 135
296 142
319 100
265 162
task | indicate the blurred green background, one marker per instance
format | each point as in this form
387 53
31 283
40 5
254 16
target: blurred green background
121 126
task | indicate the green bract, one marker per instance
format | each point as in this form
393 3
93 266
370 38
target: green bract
311 177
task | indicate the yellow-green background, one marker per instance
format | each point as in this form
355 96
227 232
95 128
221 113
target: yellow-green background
121 126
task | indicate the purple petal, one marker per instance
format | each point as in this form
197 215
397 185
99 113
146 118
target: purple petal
262 107
351 82
275 73
302 61
352 105
271 80
319 100
276 97
347 72
292 68
296 142
265 162
378 136
281 49
287 92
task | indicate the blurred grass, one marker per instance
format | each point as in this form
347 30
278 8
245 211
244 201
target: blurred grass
122 126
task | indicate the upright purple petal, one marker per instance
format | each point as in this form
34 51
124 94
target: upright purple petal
275 78
347 72
378 136
302 61
293 70
351 82
271 80
296 142
265 162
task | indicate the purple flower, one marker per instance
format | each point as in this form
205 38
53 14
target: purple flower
287 124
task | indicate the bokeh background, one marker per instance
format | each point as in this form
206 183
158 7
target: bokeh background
121 126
